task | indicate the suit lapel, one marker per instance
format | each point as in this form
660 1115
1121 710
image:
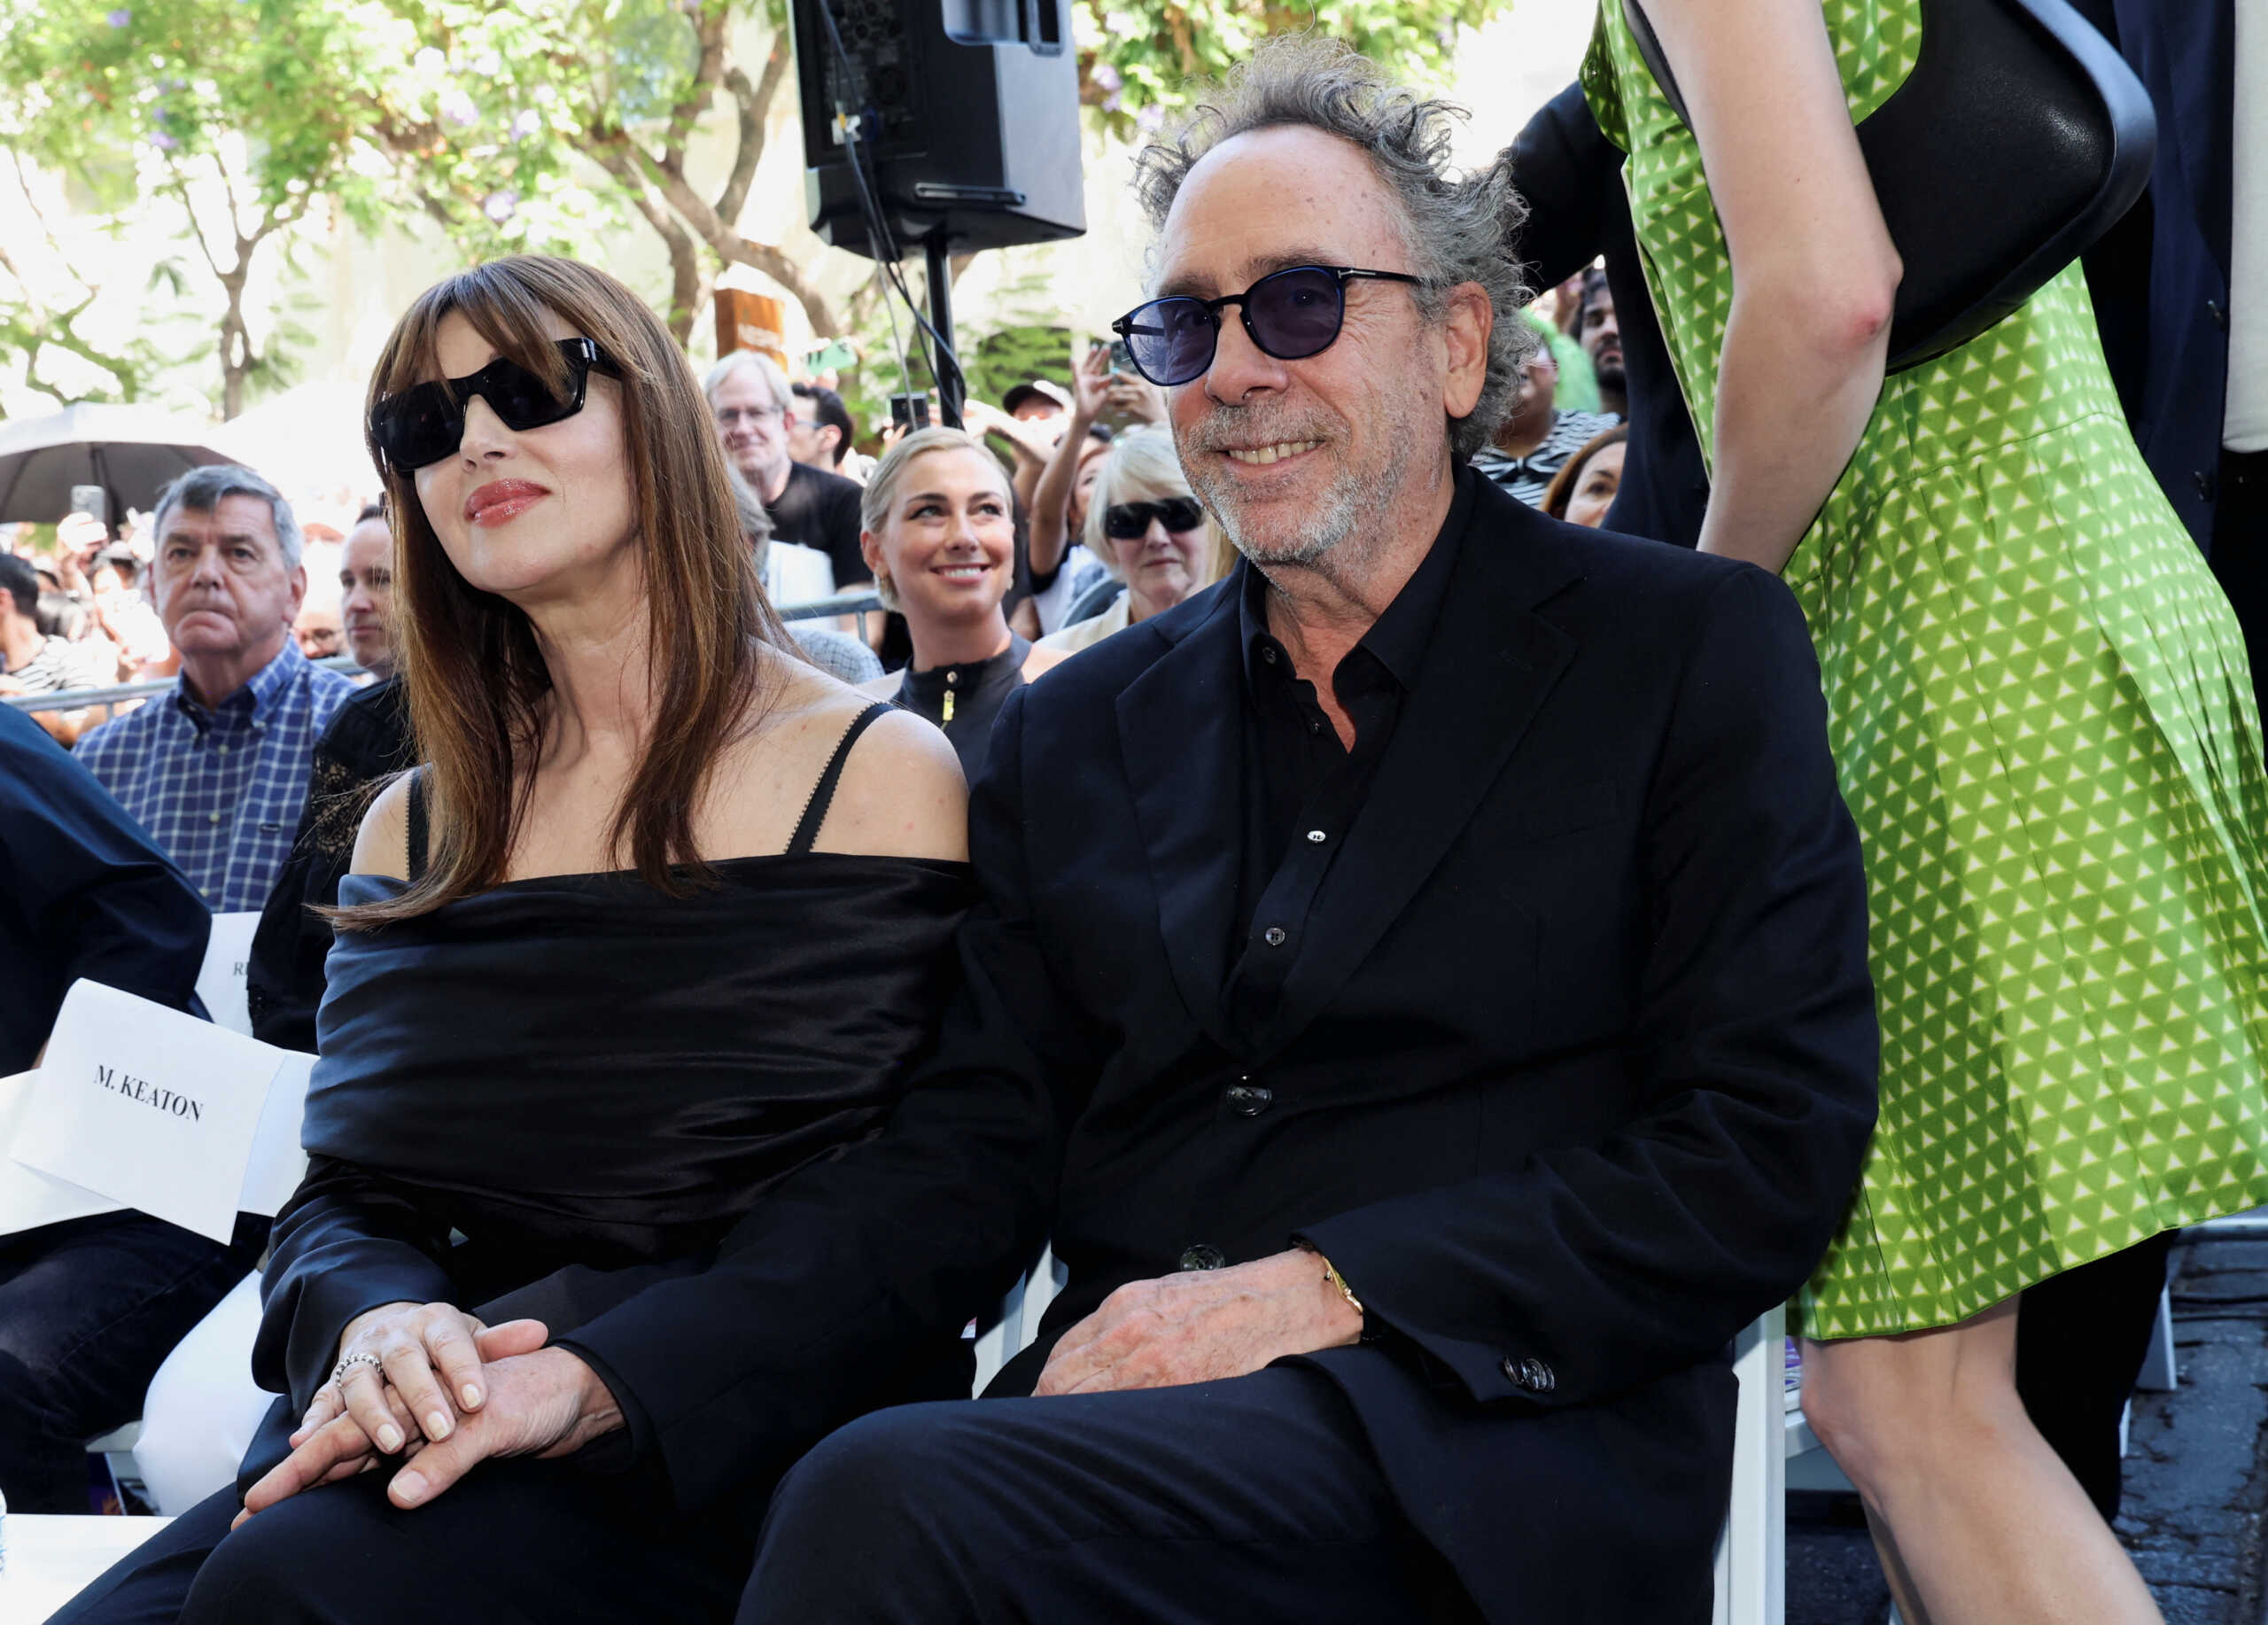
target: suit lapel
1492 662
1180 733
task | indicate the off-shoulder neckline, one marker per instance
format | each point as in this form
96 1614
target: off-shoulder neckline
588 877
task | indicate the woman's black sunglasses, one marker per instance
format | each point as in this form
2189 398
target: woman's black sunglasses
425 423
1291 315
1124 521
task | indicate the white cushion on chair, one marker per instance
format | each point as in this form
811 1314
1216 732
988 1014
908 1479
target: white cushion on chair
203 1406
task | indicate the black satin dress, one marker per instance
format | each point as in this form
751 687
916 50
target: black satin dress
576 1073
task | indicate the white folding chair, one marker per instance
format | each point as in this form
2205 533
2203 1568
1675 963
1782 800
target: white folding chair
203 1407
1019 1321
1752 1554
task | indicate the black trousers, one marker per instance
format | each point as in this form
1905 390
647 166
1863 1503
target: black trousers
1250 1499
515 1542
88 1311
2239 555
2080 1339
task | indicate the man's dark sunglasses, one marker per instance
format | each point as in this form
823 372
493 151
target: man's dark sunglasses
425 423
1291 315
1124 521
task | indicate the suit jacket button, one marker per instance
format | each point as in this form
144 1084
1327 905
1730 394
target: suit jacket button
1248 1100
1203 1257
1530 1375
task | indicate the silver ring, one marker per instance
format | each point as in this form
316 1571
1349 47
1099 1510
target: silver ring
338 1372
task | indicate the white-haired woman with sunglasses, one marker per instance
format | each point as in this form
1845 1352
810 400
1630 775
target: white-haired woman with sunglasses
1150 533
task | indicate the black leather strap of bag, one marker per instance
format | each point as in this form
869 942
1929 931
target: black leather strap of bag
2018 139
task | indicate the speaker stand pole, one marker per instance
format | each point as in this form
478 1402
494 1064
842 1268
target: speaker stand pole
941 317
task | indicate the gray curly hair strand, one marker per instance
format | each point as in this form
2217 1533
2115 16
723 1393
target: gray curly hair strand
1458 227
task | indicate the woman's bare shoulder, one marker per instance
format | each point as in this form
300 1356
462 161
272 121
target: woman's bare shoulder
901 794
382 842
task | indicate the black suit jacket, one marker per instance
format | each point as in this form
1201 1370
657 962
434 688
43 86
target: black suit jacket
2160 277
1572 1080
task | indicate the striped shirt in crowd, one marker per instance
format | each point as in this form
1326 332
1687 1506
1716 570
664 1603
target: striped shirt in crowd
1528 478
219 790
62 664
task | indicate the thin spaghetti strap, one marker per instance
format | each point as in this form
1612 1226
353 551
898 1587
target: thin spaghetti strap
417 834
823 793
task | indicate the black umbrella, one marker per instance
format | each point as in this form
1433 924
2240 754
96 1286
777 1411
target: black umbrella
130 452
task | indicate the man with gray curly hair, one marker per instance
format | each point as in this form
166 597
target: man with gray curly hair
1418 986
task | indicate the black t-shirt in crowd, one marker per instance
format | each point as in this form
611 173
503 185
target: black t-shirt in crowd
820 511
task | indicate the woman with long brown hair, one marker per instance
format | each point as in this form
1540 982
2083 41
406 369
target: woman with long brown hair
664 919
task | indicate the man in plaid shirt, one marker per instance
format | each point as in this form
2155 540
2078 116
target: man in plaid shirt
216 771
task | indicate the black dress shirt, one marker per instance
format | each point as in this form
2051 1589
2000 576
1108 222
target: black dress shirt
1302 786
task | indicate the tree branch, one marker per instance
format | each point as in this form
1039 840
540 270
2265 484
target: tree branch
730 246
196 225
685 257
709 31
754 104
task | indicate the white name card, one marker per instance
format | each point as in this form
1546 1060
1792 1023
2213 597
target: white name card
221 983
29 1198
157 1111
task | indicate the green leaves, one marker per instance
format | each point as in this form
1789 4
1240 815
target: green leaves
543 125
1137 59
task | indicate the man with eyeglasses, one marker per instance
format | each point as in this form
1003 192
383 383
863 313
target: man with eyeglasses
808 507
1419 987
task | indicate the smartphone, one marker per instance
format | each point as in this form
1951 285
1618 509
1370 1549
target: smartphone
910 411
90 500
1120 362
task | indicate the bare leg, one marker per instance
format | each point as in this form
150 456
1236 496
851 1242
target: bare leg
1978 1522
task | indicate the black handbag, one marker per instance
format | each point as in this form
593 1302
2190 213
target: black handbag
2019 138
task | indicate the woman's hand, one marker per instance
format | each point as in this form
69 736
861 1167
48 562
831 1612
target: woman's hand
426 1353
332 1442
1091 380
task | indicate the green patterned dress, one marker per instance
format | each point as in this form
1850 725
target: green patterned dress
2042 716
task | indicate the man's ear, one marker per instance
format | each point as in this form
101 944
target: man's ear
299 578
1465 332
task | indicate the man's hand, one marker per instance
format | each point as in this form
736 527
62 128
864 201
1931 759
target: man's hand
547 1403
1202 1325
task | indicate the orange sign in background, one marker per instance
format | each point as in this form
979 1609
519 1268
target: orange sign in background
749 320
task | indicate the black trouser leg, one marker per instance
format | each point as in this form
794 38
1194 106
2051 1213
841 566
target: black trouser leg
514 1543
150 1584
1251 1499
2080 1340
2239 553
88 1311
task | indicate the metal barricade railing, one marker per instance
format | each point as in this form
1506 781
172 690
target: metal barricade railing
78 699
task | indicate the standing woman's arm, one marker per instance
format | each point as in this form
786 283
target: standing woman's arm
1814 274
